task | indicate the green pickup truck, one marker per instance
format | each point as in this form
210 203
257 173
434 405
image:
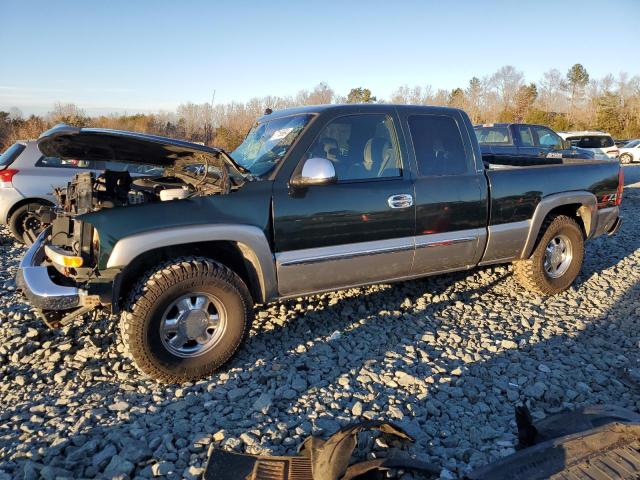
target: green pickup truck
314 199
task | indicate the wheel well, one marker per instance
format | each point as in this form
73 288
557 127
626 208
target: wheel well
26 201
227 253
571 210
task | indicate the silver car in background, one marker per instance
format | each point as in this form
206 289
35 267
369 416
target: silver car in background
28 179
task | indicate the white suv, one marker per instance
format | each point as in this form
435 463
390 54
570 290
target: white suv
600 143
28 178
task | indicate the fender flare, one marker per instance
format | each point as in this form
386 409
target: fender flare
250 240
587 211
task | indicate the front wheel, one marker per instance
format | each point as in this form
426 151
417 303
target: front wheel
626 158
556 260
186 319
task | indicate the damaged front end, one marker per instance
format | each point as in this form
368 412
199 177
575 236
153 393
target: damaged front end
60 274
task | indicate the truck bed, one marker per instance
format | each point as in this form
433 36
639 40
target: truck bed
515 192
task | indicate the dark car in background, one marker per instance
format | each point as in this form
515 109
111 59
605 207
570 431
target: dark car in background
526 144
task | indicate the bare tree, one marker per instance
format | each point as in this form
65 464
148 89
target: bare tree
507 80
68 113
551 92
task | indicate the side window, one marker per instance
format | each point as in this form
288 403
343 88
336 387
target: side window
494 135
361 147
548 138
56 162
438 145
526 137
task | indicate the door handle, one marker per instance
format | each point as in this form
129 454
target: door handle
400 200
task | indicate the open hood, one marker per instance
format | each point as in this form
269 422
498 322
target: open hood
101 144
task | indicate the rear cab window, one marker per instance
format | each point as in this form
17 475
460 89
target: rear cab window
493 134
526 135
10 154
438 145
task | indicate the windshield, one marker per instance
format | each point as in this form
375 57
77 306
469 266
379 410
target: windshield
268 142
632 143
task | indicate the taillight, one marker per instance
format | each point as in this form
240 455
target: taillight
6 177
620 187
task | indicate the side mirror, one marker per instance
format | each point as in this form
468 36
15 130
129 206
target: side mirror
566 144
315 171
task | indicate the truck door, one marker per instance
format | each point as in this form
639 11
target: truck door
358 230
451 193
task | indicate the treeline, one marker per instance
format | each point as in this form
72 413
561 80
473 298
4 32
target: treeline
569 101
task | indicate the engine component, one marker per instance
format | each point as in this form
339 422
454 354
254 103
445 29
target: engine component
174 194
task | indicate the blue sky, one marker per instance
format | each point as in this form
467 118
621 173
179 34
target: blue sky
150 55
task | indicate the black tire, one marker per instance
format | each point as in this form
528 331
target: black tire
19 217
531 273
142 317
626 158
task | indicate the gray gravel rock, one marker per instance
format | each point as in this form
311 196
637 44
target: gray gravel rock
447 358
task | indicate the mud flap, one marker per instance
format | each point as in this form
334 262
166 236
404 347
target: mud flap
318 459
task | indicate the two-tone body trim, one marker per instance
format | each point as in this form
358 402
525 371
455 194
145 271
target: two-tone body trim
438 252
505 242
341 266
344 266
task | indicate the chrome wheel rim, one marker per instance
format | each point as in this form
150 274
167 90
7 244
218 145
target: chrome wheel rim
558 256
193 324
625 158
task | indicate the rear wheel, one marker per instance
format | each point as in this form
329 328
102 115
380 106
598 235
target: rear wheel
556 260
186 319
626 158
24 223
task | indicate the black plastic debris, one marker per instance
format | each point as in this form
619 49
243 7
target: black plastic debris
317 460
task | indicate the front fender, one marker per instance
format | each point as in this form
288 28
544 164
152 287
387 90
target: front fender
250 240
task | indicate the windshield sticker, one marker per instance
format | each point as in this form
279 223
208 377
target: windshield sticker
280 134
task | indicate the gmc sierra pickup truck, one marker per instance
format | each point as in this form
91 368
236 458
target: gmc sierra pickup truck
314 199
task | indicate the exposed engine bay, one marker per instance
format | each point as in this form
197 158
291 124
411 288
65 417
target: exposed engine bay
88 193
85 193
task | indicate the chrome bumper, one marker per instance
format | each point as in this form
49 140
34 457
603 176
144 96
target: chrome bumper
35 283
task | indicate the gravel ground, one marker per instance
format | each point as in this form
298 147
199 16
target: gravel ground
447 358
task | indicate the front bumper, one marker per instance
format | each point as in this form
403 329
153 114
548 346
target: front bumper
34 281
